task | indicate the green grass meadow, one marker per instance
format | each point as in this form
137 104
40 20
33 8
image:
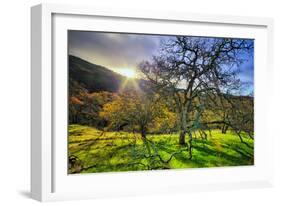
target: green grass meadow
92 150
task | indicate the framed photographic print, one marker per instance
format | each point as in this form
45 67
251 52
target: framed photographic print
127 103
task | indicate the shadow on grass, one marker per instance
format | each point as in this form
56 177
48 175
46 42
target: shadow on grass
125 153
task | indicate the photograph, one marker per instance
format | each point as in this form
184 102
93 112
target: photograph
139 102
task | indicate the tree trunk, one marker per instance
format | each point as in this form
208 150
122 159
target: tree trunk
190 144
143 137
183 130
224 126
224 129
182 137
143 134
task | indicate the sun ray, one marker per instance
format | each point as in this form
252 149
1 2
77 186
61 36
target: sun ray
127 72
131 80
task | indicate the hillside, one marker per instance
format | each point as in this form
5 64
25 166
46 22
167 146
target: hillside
93 77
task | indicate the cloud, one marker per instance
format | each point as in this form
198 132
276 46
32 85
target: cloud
117 51
113 50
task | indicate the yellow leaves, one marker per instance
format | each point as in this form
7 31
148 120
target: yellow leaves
102 97
165 122
138 110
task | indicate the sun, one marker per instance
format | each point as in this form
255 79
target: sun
129 73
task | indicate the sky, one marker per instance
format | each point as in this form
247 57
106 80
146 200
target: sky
120 52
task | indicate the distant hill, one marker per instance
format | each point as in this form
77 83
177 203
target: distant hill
93 77
84 75
88 77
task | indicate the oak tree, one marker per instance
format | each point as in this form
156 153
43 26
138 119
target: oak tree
189 68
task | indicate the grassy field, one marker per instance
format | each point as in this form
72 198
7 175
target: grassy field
91 150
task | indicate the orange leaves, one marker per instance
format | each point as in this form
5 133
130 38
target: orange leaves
76 101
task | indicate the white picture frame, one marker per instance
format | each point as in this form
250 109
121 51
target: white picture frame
49 179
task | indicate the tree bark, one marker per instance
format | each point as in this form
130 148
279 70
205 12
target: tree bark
224 129
143 134
224 126
183 130
182 137
190 145
143 137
